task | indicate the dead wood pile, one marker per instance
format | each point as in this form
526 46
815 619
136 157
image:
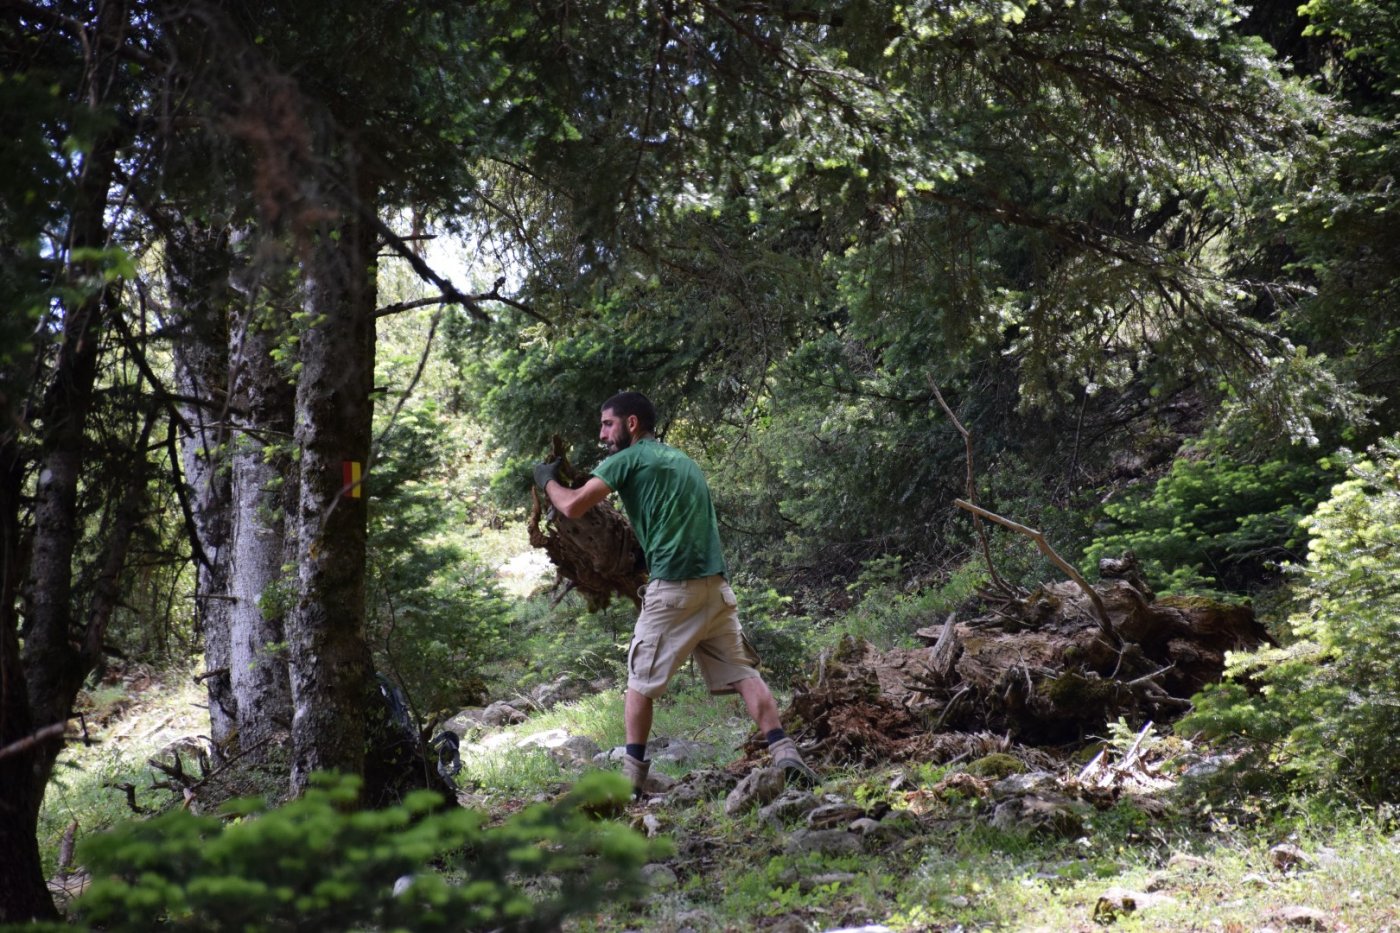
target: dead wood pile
596 554
1037 671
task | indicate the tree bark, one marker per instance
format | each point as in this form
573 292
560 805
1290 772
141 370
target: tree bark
53 664
331 669
198 268
23 895
262 460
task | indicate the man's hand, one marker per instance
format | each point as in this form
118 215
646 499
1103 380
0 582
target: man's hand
544 472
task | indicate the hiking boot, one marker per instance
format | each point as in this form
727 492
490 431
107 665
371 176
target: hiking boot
795 770
635 771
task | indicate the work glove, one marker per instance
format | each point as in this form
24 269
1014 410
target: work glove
544 472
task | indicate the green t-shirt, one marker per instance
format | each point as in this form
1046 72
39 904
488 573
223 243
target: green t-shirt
668 503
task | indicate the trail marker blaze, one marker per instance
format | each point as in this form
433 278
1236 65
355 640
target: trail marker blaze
353 486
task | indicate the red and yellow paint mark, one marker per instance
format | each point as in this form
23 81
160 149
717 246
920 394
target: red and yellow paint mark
352 475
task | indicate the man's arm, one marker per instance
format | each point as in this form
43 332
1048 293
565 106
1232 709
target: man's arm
574 502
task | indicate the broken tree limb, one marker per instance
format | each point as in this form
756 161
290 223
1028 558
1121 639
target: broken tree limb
29 741
1000 584
1039 538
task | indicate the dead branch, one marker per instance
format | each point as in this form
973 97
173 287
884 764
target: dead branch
130 790
65 850
1039 538
972 490
29 741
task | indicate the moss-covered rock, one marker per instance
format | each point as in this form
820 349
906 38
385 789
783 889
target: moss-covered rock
996 766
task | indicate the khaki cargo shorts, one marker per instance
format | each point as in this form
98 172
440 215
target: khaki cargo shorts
689 618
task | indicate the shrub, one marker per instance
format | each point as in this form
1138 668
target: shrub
1326 708
1215 522
318 864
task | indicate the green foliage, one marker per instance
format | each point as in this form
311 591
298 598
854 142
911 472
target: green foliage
782 636
889 608
436 615
549 639
1215 522
319 863
1325 709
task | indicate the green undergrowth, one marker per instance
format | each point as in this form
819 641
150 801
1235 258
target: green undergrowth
87 782
1189 861
513 762
1184 871
1196 860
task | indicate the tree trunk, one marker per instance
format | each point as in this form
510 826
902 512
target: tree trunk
53 664
23 895
331 668
198 267
262 460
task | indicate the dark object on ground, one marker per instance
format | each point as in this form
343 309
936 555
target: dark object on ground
449 751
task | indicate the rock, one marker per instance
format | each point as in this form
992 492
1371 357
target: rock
651 825
813 882
791 805
501 713
1039 815
1181 861
549 739
681 750
1018 785
1304 918
823 842
1117 902
659 877
1287 857
466 722
962 784
832 815
900 824
760 786
788 924
561 690
1157 881
689 921
865 826
575 751
700 785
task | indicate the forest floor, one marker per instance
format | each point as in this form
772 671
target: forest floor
983 844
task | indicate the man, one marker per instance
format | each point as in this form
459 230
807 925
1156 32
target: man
688 608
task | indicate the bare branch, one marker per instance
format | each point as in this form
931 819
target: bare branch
971 489
38 738
1039 538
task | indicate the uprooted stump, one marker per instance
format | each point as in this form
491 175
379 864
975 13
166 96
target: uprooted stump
1033 671
597 553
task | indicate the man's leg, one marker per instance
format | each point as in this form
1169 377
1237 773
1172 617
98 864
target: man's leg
759 699
764 710
636 719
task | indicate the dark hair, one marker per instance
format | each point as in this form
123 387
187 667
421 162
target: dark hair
626 404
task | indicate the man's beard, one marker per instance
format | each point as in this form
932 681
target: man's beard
619 444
